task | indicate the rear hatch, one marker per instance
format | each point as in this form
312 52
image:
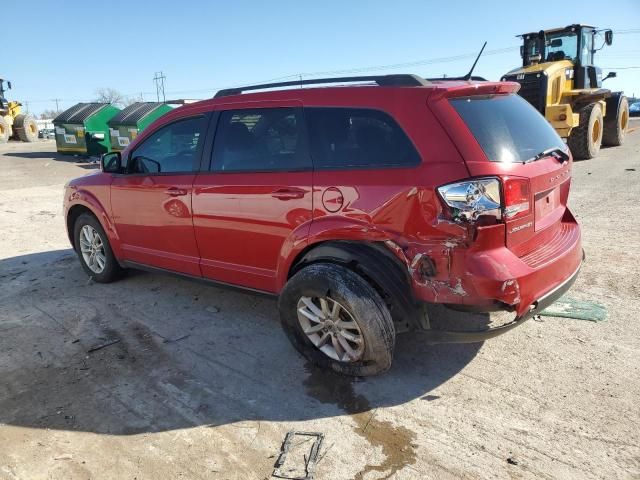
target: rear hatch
517 144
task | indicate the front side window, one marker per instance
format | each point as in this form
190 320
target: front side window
259 140
357 138
171 149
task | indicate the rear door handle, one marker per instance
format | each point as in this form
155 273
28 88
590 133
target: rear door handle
175 192
288 193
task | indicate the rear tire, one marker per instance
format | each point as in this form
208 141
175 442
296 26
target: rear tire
5 130
585 139
105 268
615 129
26 128
358 301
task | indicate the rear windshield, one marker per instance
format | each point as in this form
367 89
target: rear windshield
507 128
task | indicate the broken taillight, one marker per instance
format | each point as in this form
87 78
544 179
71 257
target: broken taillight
506 198
471 199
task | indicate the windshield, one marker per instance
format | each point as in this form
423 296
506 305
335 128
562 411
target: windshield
561 45
507 128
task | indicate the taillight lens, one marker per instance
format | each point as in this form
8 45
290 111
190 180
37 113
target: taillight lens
471 199
517 198
481 197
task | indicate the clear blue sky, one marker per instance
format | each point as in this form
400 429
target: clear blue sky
64 49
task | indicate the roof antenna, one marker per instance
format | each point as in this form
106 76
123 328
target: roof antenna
468 75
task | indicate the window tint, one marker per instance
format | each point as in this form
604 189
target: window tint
265 139
358 138
171 149
507 128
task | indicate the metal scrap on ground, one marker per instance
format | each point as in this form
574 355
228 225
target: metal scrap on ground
570 308
310 459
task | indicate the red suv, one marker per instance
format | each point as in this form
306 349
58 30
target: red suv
356 204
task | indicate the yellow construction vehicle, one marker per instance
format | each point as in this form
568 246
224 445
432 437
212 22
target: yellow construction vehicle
559 78
13 123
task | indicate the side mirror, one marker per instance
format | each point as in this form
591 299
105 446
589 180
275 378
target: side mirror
111 162
610 75
521 51
97 136
8 85
556 42
608 37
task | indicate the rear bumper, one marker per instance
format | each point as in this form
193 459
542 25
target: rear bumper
496 278
448 336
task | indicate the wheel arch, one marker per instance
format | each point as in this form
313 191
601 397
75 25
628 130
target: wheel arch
84 202
377 265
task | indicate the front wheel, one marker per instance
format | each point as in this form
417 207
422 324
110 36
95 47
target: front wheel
26 128
337 320
94 251
585 139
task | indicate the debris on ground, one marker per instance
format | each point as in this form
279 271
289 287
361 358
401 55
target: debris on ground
293 470
103 345
570 308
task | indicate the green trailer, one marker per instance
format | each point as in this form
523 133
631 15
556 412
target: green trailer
83 130
129 122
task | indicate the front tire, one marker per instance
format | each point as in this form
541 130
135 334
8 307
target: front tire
25 128
337 320
93 249
585 140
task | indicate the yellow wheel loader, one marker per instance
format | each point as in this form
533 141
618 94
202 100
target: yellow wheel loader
558 77
13 123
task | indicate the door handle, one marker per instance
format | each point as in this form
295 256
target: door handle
175 192
288 193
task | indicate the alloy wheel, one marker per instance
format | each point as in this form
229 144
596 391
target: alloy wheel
331 328
92 249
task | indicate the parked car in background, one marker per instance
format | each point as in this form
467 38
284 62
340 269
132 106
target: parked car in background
356 206
634 109
46 133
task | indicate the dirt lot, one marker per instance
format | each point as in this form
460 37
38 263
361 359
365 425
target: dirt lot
203 383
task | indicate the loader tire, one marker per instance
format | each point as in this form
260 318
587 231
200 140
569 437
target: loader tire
26 128
615 129
5 130
585 140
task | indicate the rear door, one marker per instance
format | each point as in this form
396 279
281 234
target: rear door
511 136
256 199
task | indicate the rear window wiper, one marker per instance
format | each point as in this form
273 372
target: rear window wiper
555 152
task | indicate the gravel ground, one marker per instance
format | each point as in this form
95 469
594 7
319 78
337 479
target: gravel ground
202 383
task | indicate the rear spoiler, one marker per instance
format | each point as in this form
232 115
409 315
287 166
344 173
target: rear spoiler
466 89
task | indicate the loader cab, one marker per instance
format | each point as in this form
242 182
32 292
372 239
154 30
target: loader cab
575 43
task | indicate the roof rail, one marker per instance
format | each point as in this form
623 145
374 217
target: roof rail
473 78
400 80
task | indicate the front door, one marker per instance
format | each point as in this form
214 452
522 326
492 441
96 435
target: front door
151 203
256 199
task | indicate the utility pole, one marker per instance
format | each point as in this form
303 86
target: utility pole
56 100
159 79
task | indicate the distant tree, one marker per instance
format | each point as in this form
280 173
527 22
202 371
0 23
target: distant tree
109 95
131 100
47 114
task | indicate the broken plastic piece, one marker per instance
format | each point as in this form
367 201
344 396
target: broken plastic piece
570 308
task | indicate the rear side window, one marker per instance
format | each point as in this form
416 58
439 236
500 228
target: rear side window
357 138
259 140
507 127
